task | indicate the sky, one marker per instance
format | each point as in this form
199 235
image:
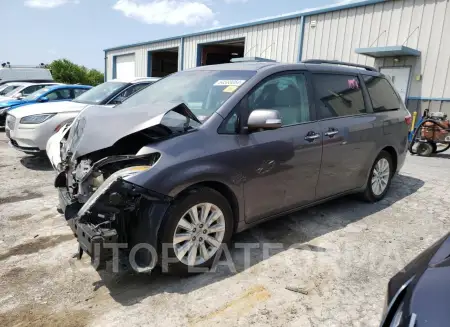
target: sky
40 31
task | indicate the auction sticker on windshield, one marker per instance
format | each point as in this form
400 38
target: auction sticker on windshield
230 89
228 82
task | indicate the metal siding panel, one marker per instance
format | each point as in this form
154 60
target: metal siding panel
341 34
427 52
306 40
437 59
348 41
445 107
416 23
265 43
405 21
325 38
333 35
317 53
280 41
447 78
312 38
392 37
376 32
356 37
365 32
274 38
385 23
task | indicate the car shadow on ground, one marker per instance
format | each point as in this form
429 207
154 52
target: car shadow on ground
445 155
41 163
297 228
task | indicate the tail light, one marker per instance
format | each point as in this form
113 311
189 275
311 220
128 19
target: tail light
408 120
58 127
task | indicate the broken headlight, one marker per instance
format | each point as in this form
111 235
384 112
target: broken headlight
123 173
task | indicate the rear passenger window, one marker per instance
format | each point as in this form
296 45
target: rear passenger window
287 94
78 92
338 95
382 94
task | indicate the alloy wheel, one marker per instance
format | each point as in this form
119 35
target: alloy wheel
380 176
199 234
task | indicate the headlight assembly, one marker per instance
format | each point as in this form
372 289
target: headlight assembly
36 119
123 173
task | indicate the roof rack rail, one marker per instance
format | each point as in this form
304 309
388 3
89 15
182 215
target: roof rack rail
337 62
251 59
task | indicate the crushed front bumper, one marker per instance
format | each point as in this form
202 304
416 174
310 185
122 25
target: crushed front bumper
99 223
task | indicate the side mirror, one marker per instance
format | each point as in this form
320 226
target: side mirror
43 99
264 119
18 96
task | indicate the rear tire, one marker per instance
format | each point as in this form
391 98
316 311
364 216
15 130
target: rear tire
425 149
200 221
380 178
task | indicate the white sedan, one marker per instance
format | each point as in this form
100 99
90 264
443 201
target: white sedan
30 127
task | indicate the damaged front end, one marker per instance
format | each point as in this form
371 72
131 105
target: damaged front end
118 216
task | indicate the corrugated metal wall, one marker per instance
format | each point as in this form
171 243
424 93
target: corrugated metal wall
278 40
140 55
426 22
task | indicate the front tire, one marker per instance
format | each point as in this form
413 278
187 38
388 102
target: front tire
379 178
195 228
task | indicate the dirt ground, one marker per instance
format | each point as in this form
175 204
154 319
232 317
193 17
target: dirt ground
331 266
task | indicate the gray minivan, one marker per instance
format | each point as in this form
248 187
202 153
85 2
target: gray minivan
211 151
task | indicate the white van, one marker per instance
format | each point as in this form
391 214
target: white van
10 73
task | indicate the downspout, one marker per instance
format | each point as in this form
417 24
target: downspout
302 35
106 67
181 64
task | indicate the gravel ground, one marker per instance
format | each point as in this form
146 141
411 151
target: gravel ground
330 267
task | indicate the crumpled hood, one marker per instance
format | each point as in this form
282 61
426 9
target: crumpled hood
97 127
49 108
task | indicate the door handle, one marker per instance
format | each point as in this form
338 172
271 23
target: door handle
311 136
331 132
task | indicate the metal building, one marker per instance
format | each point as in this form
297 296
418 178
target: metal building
405 39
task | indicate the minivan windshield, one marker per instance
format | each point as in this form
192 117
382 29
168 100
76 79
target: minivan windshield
202 91
99 93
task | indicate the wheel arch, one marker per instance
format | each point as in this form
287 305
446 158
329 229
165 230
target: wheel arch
224 190
394 156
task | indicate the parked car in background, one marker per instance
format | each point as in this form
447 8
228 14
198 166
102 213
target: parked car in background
419 295
16 97
9 87
211 151
28 118
32 138
107 94
21 73
23 90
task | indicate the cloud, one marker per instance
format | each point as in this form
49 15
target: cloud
46 4
169 12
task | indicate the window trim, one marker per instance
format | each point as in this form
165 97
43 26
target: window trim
124 89
243 115
360 80
402 105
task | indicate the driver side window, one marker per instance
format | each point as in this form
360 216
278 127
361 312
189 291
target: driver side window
285 93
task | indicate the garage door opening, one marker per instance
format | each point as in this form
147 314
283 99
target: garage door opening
220 52
163 63
124 67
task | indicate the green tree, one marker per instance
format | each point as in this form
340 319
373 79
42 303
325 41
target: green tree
65 71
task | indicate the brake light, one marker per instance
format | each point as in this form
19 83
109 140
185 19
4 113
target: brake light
58 127
408 120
